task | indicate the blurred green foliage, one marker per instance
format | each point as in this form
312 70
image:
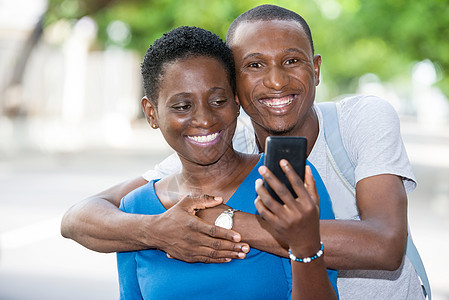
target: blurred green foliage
354 37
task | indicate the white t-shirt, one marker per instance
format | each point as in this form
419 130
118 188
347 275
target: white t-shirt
371 136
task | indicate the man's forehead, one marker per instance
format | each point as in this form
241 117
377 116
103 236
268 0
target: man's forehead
249 35
257 27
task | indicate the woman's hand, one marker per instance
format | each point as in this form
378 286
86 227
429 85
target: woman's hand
297 220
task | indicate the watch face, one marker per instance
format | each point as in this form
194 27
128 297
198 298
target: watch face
224 220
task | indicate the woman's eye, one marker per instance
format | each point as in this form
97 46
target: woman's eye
219 102
181 107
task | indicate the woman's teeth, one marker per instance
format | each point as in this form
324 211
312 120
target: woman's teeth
203 138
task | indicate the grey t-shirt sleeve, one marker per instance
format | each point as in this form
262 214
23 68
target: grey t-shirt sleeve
168 166
370 129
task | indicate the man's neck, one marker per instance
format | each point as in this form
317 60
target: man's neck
309 129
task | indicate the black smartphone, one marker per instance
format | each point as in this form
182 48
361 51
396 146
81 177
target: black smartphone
291 148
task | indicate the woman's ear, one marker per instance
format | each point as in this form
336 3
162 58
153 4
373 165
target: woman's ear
150 111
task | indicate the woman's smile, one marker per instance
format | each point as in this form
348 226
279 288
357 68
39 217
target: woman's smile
205 140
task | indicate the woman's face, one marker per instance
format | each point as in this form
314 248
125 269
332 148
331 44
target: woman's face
196 109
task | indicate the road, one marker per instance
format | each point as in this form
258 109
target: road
36 188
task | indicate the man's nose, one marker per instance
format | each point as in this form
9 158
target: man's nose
276 78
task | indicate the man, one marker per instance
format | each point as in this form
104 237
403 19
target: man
277 74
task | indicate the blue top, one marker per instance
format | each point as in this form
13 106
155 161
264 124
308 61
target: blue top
149 274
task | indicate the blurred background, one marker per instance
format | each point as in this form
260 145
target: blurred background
71 125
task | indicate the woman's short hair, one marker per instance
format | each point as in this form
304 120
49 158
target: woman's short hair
180 43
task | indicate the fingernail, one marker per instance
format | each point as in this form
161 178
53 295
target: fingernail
283 163
262 170
259 182
245 249
242 255
228 259
218 198
308 169
236 238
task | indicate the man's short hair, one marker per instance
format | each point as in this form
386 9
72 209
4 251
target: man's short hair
180 43
268 12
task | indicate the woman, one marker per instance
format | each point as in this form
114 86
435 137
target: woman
189 85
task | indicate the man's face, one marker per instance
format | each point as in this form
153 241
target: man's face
276 74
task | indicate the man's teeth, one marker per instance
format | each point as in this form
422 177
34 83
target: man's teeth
277 102
203 138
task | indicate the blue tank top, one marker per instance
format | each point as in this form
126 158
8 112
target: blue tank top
149 274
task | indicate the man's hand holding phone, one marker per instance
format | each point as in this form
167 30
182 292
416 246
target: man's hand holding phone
297 220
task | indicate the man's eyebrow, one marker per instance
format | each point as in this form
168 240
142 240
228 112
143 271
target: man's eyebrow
251 55
295 50
289 50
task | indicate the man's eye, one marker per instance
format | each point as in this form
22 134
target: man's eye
291 61
254 65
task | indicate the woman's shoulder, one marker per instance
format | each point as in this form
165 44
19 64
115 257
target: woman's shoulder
138 200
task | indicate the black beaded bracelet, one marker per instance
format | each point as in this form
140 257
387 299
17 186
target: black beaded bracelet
307 259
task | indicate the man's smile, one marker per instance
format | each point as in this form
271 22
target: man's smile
277 102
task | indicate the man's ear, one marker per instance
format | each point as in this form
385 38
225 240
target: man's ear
150 111
236 99
237 102
317 68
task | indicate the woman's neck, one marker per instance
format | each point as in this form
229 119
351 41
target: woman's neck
221 178
218 174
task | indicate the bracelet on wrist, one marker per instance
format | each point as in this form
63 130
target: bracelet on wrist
306 260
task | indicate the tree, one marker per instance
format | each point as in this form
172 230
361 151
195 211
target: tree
355 37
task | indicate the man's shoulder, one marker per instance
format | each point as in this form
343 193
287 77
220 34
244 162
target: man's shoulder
365 111
362 102
359 106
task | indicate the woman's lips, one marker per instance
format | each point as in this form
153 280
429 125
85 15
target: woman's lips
204 140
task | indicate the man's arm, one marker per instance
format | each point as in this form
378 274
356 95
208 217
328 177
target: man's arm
375 242
98 224
378 240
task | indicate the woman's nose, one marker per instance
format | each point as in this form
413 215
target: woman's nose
203 117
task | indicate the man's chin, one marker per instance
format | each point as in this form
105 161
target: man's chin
279 130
